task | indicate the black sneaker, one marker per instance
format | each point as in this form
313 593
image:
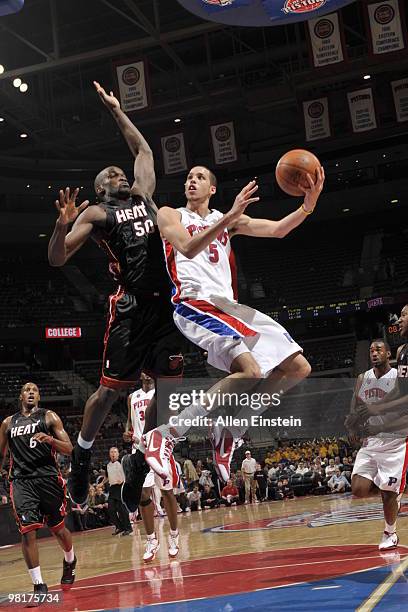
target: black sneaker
135 469
78 478
40 591
68 572
126 532
116 532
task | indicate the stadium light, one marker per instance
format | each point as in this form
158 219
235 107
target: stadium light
17 82
23 135
1 68
23 87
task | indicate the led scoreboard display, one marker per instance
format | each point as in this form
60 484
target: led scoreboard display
393 336
318 310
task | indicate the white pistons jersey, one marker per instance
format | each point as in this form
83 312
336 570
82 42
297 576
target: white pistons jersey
374 389
208 273
139 400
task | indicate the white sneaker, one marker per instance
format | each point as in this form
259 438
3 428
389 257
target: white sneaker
151 548
388 541
173 545
159 449
223 447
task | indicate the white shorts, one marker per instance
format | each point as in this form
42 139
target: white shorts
226 329
385 463
153 479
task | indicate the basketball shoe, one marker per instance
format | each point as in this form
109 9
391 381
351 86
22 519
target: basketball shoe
388 541
39 594
159 445
174 547
78 478
223 448
68 573
151 548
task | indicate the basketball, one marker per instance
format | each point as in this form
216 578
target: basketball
292 168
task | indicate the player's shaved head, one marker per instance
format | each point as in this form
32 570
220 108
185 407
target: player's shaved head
111 182
380 341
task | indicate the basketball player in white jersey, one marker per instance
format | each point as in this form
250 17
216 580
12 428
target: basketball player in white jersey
380 460
137 404
239 340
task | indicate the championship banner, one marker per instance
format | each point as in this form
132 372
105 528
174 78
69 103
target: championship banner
400 93
132 86
223 140
174 153
52 333
325 40
362 110
385 26
317 124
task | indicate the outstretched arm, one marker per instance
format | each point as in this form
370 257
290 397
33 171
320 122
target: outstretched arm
265 228
145 178
59 440
62 245
174 232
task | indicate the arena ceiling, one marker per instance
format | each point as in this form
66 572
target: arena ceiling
199 71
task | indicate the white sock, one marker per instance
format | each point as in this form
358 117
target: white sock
390 528
174 533
84 443
35 574
69 556
151 536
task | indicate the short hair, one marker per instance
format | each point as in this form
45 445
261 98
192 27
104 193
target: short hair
381 341
213 178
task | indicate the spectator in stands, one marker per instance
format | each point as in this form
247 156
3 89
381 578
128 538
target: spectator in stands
248 469
208 498
272 471
194 499
337 462
205 480
330 469
347 468
199 468
338 483
268 460
229 494
261 483
190 473
101 505
288 492
302 468
238 481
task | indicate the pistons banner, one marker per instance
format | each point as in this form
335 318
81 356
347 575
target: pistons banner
132 86
326 40
362 110
400 93
385 26
316 113
174 153
223 140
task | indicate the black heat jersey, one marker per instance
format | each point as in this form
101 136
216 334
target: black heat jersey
29 458
402 362
132 242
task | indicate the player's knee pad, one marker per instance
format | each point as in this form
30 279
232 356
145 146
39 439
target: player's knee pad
145 502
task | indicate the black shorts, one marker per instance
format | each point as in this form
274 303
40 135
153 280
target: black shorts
140 336
37 501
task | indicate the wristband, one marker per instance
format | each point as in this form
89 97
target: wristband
306 212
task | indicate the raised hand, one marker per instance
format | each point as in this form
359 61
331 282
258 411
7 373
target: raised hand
243 199
109 100
314 190
66 206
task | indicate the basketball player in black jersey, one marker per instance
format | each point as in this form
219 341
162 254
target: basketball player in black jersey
140 334
34 435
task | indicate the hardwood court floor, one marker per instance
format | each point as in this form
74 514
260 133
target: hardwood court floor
313 553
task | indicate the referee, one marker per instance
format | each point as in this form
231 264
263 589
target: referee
117 511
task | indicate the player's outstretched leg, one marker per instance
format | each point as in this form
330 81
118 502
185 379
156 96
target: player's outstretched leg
96 409
135 470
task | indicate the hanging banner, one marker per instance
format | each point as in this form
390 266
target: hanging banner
174 153
362 111
325 40
385 26
215 6
317 124
132 86
223 140
400 93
